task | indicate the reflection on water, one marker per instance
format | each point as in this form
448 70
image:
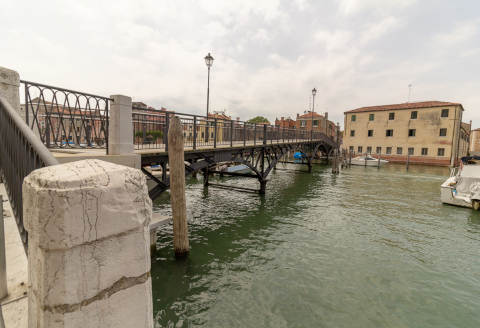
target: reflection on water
366 248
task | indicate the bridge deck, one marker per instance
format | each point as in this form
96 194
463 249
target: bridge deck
160 149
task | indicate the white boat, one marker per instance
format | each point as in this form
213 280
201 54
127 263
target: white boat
462 188
241 168
367 160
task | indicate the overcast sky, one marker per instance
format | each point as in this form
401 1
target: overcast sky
269 54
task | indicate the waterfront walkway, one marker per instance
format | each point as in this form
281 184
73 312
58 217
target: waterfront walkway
14 308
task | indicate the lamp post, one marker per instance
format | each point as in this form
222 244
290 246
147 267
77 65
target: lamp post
314 92
209 62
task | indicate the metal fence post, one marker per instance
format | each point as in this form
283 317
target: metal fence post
194 132
244 134
165 132
231 133
215 134
264 134
3 265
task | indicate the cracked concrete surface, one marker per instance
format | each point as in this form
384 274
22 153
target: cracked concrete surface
88 224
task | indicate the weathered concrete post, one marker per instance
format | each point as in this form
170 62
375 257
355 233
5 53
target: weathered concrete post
120 128
88 253
9 88
177 187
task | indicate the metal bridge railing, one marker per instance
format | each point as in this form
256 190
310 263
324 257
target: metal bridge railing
150 129
65 118
21 152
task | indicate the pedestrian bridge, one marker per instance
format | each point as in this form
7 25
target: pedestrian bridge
62 121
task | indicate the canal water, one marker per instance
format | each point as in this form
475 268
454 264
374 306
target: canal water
366 248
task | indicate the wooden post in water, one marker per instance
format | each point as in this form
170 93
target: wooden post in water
378 163
408 160
365 159
177 188
350 160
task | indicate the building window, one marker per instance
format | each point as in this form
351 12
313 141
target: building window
412 132
413 115
424 151
203 134
399 150
352 133
443 132
315 123
350 149
389 150
391 116
369 149
445 112
389 133
303 123
370 133
371 117
360 149
354 118
379 150
411 151
441 152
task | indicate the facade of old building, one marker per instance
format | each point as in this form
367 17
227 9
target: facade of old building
429 132
319 122
475 142
286 123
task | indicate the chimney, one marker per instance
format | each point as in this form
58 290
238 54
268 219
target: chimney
326 115
238 118
298 115
283 118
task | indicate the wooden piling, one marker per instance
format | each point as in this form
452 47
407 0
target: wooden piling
408 161
378 162
177 188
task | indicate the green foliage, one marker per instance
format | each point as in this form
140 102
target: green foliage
258 119
155 134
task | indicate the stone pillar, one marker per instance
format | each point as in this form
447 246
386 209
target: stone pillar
88 246
9 89
120 137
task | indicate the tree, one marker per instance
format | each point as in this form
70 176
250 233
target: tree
258 119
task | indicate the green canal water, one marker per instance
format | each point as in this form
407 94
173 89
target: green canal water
366 248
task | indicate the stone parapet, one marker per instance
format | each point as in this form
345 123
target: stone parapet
89 256
9 88
120 137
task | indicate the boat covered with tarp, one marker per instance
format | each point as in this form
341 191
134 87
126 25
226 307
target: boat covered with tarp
462 188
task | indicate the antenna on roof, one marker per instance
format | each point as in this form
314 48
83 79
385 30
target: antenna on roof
409 92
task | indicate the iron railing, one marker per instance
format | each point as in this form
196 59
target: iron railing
21 152
150 129
65 118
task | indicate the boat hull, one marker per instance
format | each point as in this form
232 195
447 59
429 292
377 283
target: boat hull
447 195
369 163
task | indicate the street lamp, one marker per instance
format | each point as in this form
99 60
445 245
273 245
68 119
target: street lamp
209 62
314 92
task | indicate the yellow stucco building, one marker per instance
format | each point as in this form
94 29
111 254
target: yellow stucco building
475 142
428 132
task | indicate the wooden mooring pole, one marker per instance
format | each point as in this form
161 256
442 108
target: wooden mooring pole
177 188
408 161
